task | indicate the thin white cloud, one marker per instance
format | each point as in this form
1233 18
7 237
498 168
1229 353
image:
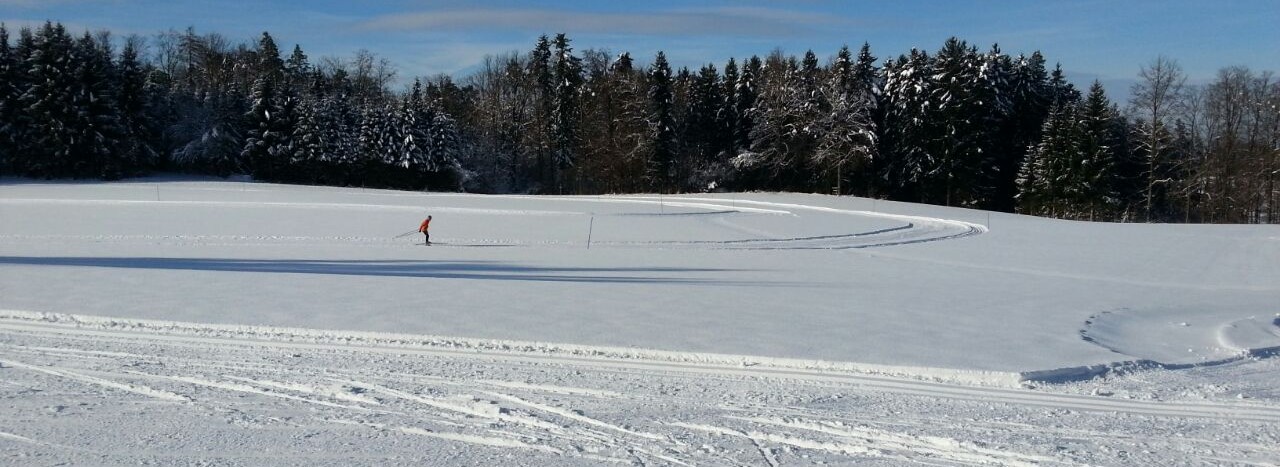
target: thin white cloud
32 4
737 21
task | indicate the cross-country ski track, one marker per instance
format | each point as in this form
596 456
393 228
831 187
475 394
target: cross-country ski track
548 403
212 322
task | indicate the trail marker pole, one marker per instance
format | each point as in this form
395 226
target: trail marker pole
590 227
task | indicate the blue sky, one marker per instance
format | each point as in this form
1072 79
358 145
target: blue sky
1104 39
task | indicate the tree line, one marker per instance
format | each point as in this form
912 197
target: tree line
71 107
959 126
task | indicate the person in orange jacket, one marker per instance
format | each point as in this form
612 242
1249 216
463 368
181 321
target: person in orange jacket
426 223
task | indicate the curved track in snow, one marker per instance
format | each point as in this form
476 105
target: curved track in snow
908 229
913 229
905 229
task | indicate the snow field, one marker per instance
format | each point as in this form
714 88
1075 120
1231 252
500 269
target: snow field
255 397
254 324
897 288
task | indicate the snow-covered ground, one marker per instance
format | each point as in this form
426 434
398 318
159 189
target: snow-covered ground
244 323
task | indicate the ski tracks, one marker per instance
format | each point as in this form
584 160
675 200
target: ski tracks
544 406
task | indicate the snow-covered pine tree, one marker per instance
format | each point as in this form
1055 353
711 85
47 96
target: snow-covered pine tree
1097 174
773 116
95 129
390 134
340 128
414 131
846 133
1060 89
269 63
661 170
729 111
908 127
745 94
22 158
782 140
815 105
995 168
297 70
539 137
866 76
308 145
567 77
1050 167
1029 99
1030 196
631 137
47 103
967 109
681 93
8 101
268 147
372 130
260 138
869 85
702 133
133 96
445 143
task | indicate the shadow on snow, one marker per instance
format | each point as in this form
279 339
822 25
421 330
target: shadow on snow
486 270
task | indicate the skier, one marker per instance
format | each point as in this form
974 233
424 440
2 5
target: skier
426 223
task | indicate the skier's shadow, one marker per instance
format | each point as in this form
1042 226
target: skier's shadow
479 270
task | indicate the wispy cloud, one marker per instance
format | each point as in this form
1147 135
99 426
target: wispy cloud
38 3
736 21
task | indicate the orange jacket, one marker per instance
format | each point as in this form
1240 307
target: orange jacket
425 224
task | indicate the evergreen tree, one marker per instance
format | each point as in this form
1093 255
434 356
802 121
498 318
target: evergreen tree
341 129
1060 90
444 146
265 141
702 135
415 131
728 108
308 137
94 129
297 70
269 64
47 104
869 87
372 141
133 95
846 133
865 74
1097 172
1029 101
661 170
908 125
681 103
630 138
778 138
745 94
540 138
8 101
968 108
564 115
268 146
1046 180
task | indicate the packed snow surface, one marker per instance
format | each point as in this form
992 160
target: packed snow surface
214 318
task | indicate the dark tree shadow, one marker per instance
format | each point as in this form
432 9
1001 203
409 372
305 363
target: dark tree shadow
484 270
